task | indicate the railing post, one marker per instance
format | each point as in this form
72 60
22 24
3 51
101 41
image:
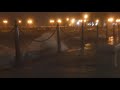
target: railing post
58 38
82 39
17 45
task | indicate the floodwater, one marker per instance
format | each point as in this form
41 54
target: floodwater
93 60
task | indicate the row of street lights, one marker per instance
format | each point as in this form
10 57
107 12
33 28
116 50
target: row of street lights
29 21
73 21
69 21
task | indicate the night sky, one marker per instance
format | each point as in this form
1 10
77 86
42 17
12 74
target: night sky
43 17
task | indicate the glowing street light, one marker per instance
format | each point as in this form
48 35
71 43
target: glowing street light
73 21
30 21
19 21
85 16
5 21
59 21
85 20
78 23
52 21
97 21
110 19
117 20
67 19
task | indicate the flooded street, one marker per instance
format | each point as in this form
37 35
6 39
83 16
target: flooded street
94 60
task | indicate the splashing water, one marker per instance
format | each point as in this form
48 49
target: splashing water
49 46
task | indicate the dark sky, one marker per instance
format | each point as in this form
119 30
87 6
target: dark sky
43 17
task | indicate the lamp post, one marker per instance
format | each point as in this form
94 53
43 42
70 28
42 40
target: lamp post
97 22
30 22
51 22
113 25
85 19
67 21
17 45
118 21
82 35
59 21
5 22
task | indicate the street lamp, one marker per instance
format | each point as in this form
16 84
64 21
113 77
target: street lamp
78 23
52 21
30 22
85 19
85 16
19 21
112 20
66 23
118 21
67 19
73 21
59 21
97 21
5 22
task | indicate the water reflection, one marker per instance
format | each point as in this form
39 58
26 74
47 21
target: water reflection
88 46
74 49
112 40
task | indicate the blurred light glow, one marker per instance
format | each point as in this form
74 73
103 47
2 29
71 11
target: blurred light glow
97 21
73 21
85 16
85 20
111 40
110 20
67 19
78 23
30 21
52 21
117 20
19 21
59 21
5 21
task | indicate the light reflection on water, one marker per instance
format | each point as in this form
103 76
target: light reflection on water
88 46
112 40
